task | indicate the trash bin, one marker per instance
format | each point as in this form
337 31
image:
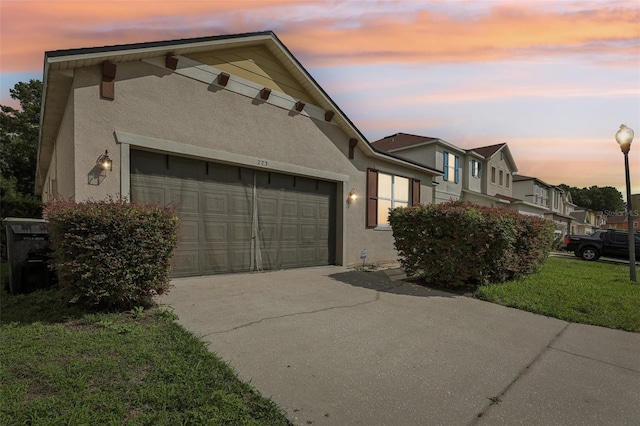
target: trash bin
28 255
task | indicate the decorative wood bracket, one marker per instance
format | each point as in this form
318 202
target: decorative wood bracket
223 78
107 86
299 106
328 115
264 93
171 62
352 147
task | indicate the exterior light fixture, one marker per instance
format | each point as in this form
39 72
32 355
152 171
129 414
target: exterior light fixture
104 162
353 196
624 137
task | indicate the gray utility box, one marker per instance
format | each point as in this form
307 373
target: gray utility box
28 254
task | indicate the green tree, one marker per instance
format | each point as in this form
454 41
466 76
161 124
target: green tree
606 198
19 137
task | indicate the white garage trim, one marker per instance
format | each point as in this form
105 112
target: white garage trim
221 156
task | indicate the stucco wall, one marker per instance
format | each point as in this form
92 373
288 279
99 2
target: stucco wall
155 102
495 188
472 183
61 174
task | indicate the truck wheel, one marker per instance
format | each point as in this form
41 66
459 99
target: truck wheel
589 253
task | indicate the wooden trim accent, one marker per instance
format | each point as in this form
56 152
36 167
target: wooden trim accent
372 198
328 116
171 62
223 78
352 147
264 93
299 106
415 192
107 85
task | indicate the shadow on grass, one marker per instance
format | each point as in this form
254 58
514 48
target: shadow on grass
49 306
381 281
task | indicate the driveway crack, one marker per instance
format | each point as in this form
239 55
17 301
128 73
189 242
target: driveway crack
521 373
375 299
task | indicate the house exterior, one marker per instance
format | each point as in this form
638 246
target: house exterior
264 168
490 171
434 153
481 175
622 222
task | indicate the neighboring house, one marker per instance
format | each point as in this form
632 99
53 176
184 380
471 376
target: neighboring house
622 222
264 168
489 176
482 175
561 206
434 153
585 222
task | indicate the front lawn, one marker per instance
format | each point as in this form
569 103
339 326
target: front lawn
574 290
59 366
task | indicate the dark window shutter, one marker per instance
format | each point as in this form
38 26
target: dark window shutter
415 192
445 163
457 166
372 198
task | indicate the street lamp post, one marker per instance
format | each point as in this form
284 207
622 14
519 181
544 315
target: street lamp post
624 137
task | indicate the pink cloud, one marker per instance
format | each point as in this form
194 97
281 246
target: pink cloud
413 34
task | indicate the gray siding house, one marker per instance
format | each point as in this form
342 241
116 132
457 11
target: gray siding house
265 170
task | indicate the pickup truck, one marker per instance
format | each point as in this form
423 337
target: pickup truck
612 243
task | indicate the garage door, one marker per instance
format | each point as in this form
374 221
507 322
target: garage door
236 219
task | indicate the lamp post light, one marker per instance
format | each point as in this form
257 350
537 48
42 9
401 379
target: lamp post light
624 137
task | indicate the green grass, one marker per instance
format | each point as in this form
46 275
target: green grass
576 291
61 366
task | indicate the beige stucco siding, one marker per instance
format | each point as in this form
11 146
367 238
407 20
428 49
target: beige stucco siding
157 103
500 165
60 180
255 64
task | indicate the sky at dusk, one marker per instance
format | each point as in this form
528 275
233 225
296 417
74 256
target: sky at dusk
553 79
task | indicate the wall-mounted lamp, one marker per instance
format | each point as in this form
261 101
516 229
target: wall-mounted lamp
353 196
104 162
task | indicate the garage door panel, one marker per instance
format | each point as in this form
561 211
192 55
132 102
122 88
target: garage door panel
148 195
308 233
215 202
240 206
240 260
184 262
188 231
215 232
186 201
267 207
288 233
214 261
288 257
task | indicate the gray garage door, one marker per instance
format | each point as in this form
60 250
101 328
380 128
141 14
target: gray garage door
238 219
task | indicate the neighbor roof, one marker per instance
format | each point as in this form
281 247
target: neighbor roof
57 81
400 140
488 151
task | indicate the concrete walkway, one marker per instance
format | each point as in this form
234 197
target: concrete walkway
339 347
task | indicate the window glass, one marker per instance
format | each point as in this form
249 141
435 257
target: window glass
393 191
501 178
493 175
384 186
400 189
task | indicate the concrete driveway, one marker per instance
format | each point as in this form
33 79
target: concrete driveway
339 347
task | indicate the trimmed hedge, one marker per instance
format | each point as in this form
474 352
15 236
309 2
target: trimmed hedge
464 244
112 253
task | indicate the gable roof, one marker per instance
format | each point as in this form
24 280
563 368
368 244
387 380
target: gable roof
401 140
488 151
58 78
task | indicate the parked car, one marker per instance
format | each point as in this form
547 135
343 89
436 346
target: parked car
611 243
